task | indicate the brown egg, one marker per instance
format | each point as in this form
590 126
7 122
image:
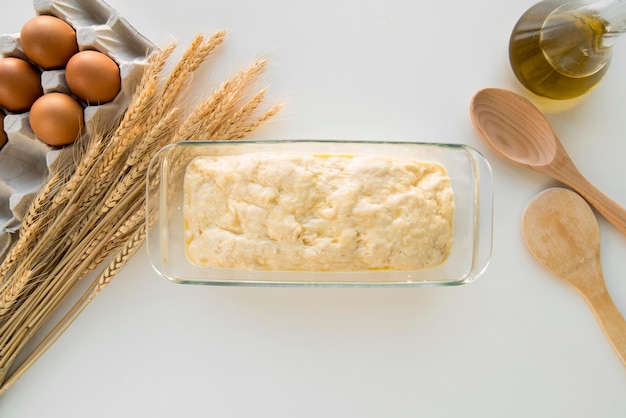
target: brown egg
48 41
57 119
93 77
20 84
3 134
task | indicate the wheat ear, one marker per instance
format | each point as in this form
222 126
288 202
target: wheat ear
209 114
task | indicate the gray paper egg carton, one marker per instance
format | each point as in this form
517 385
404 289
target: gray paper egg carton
25 161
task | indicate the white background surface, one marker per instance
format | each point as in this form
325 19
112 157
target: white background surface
516 343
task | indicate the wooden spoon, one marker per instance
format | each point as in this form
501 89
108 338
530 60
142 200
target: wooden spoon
518 132
561 231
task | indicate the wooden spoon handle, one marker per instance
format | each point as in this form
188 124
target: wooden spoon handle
607 207
610 319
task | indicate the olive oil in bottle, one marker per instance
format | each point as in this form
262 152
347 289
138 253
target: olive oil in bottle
562 49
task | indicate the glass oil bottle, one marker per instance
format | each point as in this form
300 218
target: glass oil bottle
561 49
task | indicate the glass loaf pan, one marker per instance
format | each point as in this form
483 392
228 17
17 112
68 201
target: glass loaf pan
471 181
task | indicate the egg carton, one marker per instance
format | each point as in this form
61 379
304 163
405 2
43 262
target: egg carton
25 161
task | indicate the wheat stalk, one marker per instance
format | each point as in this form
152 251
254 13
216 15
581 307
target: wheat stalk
94 210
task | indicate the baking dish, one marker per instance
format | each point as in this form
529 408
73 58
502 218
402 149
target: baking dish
470 177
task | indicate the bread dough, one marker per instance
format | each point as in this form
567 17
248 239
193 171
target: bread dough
312 212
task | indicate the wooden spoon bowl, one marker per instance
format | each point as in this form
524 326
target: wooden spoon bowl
501 130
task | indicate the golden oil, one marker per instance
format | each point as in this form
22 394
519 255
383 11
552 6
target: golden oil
557 49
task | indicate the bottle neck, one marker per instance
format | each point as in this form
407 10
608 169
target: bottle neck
574 37
613 13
